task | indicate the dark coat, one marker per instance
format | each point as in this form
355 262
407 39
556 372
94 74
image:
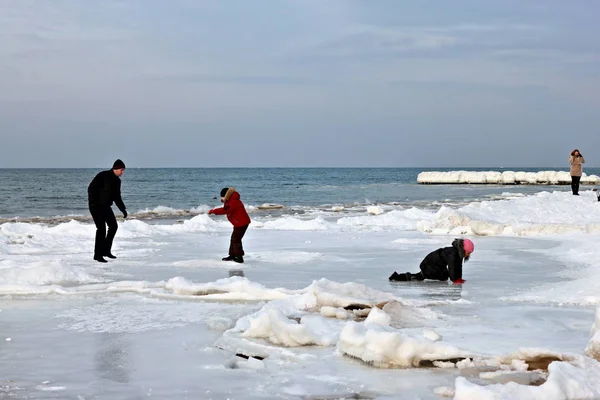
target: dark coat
105 189
234 209
444 263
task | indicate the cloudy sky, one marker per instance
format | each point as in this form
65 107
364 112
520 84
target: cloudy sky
227 83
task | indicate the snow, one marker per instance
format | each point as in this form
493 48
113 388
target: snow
503 178
314 304
386 347
234 288
579 379
273 325
593 347
432 335
374 210
544 213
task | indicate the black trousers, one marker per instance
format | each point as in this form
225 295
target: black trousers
575 184
235 245
104 216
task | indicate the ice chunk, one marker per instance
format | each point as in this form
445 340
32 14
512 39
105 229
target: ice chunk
593 347
374 210
579 379
387 347
272 324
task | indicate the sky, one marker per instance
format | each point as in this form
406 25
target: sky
299 83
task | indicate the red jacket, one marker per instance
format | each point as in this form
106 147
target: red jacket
235 210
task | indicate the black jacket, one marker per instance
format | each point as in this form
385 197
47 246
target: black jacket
444 263
104 189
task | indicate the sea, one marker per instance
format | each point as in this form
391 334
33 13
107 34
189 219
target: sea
34 194
311 313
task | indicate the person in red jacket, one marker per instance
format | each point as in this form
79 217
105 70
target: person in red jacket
237 215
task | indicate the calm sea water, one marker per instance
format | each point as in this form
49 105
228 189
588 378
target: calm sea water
47 193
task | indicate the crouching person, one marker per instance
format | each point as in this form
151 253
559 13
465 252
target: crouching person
441 264
237 215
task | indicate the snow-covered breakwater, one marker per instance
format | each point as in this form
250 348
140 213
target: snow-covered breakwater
503 178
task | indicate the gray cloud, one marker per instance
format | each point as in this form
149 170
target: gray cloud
293 83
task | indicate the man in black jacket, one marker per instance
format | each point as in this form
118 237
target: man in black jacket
105 189
442 264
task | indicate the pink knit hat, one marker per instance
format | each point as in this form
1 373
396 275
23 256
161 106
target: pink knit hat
468 246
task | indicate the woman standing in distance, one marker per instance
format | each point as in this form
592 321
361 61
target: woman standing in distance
576 159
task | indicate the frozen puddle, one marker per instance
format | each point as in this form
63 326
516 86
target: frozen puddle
328 339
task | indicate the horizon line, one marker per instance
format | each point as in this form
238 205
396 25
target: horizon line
311 167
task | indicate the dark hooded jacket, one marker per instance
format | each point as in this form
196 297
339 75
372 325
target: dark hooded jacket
444 263
105 189
234 209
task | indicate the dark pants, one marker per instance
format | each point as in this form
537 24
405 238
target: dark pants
235 246
575 184
104 216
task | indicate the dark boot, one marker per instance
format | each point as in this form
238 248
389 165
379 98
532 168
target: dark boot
228 258
401 277
100 259
109 255
238 259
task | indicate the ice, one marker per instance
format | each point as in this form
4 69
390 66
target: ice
336 294
406 219
314 316
432 335
273 325
579 254
579 379
333 312
288 257
374 210
295 224
593 347
378 317
269 206
444 391
503 178
234 288
544 213
43 273
386 347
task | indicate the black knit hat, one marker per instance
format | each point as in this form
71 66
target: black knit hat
118 164
224 192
